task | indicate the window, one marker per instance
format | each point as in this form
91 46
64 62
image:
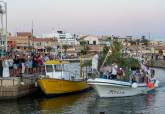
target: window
39 44
94 42
49 68
58 67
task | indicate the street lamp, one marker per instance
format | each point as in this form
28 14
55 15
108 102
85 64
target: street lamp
3 11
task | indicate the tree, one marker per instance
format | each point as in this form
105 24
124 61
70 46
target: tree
137 41
132 42
116 57
65 47
84 47
103 55
144 41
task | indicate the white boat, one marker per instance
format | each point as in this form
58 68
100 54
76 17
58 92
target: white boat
116 88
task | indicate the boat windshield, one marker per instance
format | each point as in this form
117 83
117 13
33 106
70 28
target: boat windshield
49 68
58 67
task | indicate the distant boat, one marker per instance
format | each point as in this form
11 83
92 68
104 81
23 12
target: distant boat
57 80
116 88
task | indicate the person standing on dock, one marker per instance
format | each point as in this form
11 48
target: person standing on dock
10 61
6 68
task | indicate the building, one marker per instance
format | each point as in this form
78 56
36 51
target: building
24 34
11 42
154 42
21 41
105 40
24 41
63 38
45 44
91 40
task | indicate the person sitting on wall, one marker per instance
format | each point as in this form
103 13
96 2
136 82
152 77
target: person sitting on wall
5 64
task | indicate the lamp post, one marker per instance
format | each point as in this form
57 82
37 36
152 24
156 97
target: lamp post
3 11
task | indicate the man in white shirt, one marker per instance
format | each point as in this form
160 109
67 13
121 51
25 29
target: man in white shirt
114 71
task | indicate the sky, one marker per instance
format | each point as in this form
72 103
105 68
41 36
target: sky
94 17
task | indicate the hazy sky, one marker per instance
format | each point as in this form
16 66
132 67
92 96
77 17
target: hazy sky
117 17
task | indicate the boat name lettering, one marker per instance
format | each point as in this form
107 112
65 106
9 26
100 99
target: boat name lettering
116 92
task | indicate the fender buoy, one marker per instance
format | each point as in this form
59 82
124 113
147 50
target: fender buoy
134 85
150 85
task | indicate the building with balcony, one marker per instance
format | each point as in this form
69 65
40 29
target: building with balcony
45 44
63 38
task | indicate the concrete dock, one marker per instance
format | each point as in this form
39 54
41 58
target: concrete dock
16 87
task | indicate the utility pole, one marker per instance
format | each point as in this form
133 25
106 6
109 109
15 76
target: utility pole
149 36
6 26
32 38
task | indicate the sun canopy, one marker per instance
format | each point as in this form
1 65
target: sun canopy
55 62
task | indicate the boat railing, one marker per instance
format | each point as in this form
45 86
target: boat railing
75 75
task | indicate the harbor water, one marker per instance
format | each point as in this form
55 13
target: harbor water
89 102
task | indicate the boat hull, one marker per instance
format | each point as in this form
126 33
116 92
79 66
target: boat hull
54 87
110 88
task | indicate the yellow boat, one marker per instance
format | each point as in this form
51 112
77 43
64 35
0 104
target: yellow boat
57 80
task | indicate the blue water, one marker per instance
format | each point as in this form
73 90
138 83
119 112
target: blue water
90 103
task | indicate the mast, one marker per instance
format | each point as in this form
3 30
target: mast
109 52
81 66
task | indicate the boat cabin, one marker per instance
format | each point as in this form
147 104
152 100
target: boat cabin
55 69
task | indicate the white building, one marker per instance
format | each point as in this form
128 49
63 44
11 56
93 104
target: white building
91 40
63 38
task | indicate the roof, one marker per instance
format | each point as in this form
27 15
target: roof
55 62
160 47
11 38
42 39
24 34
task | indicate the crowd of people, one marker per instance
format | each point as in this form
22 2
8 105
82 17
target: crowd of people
143 74
18 64
112 72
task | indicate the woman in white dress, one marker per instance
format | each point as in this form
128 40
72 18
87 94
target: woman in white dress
6 68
